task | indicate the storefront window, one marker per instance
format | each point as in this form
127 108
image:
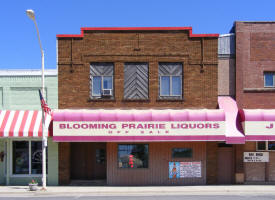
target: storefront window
271 145
21 157
36 149
133 156
25 151
182 153
261 146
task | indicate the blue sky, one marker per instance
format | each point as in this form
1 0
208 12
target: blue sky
19 46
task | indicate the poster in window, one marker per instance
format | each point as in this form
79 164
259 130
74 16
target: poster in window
174 170
190 169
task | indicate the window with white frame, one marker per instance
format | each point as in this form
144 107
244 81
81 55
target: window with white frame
101 76
265 146
27 157
170 80
269 79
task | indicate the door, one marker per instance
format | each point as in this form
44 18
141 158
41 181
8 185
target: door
88 161
225 165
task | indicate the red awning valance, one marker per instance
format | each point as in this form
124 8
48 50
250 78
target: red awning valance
22 123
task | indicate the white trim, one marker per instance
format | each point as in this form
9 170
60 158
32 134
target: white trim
226 35
28 72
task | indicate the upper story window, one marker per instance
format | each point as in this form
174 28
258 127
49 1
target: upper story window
101 80
269 79
170 80
136 81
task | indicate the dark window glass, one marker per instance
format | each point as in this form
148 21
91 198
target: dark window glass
261 146
133 156
36 157
100 156
20 157
224 145
271 145
182 153
269 80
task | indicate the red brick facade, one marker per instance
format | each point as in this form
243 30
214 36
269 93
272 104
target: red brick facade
254 55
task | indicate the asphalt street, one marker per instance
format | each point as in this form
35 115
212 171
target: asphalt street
181 197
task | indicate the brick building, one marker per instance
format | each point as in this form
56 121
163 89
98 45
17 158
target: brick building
255 96
139 106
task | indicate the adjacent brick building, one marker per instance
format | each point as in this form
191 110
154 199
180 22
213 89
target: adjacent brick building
255 92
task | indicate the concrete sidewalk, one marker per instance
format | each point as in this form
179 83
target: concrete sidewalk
12 191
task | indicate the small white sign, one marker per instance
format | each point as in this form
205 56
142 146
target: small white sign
256 157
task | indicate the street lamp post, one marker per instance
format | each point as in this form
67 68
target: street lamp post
31 15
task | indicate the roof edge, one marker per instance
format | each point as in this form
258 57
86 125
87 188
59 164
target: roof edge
135 29
28 72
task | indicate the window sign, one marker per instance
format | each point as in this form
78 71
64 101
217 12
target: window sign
174 170
184 170
256 157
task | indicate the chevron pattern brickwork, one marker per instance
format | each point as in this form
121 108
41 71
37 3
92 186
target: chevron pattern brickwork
136 81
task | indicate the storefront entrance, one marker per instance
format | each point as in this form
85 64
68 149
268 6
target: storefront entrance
88 161
225 164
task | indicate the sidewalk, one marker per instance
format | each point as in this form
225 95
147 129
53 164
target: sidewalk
23 191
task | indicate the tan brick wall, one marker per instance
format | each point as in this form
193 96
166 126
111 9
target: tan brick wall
75 56
226 76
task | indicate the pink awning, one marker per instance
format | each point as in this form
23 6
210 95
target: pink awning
258 124
128 125
233 132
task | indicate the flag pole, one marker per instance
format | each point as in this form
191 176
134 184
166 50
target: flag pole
44 137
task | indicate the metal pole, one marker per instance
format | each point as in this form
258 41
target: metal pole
44 139
44 132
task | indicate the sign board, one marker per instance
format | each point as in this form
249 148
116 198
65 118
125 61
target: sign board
256 157
190 169
106 128
184 170
259 127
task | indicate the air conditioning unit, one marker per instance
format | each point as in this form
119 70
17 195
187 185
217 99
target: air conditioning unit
107 92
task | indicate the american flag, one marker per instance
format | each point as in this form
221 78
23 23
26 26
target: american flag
44 105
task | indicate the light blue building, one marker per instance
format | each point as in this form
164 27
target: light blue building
21 156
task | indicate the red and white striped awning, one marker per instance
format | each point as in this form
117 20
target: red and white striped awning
22 123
